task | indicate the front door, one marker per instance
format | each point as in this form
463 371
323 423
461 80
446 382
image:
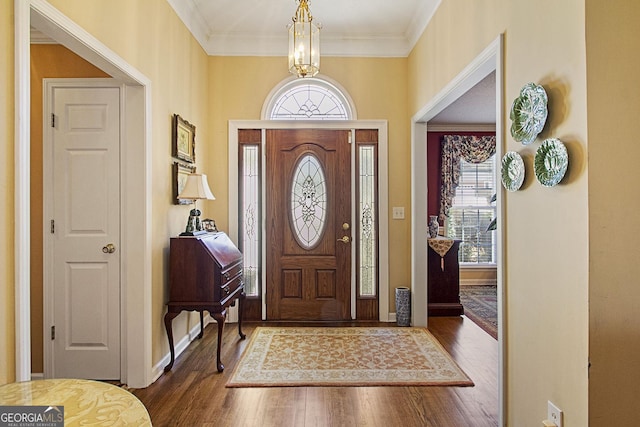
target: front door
85 232
308 215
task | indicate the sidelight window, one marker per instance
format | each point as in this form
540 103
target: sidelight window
367 217
250 216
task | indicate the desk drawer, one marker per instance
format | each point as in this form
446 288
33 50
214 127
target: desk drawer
230 288
230 274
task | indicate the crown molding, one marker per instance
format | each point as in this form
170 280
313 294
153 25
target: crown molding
192 19
243 44
38 37
420 22
461 127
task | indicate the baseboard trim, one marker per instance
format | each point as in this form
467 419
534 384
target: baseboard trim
180 347
473 282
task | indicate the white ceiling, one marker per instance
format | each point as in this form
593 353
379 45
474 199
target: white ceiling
476 107
383 28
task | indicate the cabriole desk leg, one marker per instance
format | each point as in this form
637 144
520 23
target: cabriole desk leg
168 318
243 296
220 318
201 334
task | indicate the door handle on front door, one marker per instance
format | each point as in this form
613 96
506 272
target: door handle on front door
344 239
109 249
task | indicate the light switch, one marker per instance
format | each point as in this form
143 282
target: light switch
398 212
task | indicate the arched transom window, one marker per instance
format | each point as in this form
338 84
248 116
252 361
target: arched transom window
309 99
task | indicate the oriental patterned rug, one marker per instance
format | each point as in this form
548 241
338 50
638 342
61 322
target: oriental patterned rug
348 356
480 305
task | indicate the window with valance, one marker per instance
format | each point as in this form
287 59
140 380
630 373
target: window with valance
468 185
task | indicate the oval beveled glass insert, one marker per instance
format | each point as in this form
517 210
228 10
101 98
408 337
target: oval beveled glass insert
308 201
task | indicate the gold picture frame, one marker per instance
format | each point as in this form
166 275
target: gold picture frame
183 137
180 174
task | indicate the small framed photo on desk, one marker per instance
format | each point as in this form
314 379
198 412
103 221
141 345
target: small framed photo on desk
209 225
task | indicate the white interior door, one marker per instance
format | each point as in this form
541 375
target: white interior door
85 232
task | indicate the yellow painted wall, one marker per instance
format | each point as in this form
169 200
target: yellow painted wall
150 36
613 43
47 61
547 229
239 87
7 259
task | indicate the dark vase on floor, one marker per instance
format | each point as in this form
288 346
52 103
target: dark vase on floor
403 306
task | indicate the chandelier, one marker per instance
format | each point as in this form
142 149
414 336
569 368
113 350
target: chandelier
304 43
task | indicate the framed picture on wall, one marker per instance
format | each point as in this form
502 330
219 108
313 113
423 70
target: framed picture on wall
180 174
183 137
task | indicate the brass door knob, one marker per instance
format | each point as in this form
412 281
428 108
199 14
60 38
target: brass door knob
344 239
109 249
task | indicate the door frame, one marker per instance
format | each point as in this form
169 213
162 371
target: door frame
136 168
49 85
383 195
490 59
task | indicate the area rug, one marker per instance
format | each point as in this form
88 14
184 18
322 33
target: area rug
349 356
480 305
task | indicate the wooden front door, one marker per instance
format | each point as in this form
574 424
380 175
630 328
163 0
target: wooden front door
308 216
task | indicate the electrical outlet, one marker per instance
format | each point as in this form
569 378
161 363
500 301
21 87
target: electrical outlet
398 213
554 414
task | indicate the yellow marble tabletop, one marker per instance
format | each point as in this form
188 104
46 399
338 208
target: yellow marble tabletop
85 402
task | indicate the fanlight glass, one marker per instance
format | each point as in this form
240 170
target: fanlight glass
308 201
310 100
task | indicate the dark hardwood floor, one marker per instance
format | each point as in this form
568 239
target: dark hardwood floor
193 393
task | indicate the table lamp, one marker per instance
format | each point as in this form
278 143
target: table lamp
196 187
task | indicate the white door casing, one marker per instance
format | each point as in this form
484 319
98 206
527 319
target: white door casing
82 260
490 59
136 177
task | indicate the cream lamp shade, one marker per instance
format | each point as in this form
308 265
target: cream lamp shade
196 188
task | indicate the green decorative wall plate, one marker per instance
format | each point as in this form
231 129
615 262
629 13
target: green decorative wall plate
528 113
551 161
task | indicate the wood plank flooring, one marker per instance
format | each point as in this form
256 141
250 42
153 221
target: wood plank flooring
193 393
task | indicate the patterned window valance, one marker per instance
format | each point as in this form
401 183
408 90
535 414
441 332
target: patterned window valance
473 149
